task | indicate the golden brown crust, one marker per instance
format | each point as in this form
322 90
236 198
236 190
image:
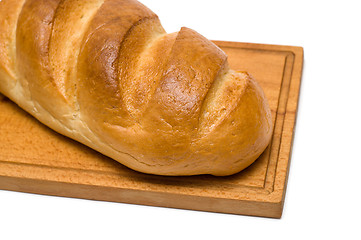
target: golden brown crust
33 35
9 12
71 21
106 74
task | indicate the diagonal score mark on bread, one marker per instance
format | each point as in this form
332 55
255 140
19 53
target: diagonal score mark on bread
106 74
69 25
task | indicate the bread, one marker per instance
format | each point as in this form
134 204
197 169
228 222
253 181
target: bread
105 73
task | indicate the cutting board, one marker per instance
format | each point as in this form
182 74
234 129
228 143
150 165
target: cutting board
35 159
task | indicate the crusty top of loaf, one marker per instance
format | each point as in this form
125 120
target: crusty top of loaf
107 74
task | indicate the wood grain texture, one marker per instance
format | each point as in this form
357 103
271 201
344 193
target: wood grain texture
35 159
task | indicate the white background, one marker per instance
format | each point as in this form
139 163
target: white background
323 197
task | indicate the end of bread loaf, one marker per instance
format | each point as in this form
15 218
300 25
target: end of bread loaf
105 73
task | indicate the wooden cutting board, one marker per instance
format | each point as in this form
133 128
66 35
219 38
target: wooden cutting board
35 159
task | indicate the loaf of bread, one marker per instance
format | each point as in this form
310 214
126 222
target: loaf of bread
105 73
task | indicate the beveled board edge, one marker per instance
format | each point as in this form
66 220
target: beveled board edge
291 115
147 198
